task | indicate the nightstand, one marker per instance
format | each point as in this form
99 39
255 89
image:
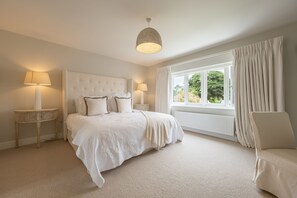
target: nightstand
34 116
143 107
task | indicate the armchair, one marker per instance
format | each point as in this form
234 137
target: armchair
276 162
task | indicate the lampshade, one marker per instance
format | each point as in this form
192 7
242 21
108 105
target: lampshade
149 40
37 78
142 87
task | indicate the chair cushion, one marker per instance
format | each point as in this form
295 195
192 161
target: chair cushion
285 159
276 171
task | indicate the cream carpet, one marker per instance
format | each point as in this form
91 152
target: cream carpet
200 166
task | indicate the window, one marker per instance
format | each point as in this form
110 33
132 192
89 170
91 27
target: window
178 91
215 86
194 90
208 86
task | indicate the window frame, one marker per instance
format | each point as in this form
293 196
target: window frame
228 91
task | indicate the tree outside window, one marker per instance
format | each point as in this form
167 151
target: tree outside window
215 86
194 88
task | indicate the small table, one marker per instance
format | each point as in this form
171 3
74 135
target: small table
34 116
143 107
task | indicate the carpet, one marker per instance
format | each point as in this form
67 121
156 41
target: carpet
200 166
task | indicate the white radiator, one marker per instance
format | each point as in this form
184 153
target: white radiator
220 124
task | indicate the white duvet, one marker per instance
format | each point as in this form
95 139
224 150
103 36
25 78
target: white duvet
106 141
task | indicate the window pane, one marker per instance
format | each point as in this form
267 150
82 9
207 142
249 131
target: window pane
215 86
194 88
178 89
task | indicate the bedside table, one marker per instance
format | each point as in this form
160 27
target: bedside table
143 107
34 116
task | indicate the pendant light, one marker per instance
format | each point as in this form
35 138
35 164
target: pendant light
148 40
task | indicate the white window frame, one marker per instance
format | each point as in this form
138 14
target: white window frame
228 99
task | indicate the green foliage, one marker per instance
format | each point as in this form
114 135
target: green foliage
195 85
195 88
215 86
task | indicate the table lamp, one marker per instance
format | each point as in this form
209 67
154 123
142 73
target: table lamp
142 87
37 79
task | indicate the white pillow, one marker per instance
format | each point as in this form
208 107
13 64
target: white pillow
111 102
124 105
80 105
96 105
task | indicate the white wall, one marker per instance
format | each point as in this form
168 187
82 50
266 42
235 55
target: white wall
20 53
289 32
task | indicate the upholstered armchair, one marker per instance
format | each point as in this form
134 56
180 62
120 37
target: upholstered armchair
276 163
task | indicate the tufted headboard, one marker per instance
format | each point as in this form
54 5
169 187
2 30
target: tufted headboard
77 84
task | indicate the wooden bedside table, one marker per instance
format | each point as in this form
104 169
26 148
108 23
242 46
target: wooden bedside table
143 107
34 116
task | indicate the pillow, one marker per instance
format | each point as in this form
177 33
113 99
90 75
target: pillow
96 105
80 105
111 105
124 105
111 102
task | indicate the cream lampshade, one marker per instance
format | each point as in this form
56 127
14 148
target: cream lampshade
142 87
37 79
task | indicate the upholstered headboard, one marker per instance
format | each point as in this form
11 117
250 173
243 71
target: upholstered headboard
77 84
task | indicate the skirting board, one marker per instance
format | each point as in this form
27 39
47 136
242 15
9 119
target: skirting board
26 141
226 137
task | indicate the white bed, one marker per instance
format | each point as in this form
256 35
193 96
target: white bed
105 141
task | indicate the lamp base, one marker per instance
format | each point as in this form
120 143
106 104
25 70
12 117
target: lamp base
142 98
37 98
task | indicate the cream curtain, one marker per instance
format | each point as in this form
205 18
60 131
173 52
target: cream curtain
163 96
258 84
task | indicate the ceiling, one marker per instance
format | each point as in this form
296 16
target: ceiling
110 27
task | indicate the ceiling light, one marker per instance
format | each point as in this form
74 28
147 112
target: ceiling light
149 40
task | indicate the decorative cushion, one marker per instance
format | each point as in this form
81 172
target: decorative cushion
95 105
80 105
111 102
124 105
111 105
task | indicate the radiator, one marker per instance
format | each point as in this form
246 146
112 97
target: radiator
220 124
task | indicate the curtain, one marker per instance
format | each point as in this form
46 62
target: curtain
258 84
163 84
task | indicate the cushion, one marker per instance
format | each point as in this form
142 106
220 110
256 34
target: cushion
96 105
286 159
111 102
124 105
276 171
80 106
111 105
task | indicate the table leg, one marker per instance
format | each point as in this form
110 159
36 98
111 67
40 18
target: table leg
16 135
38 134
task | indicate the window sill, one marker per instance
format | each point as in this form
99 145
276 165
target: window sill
203 107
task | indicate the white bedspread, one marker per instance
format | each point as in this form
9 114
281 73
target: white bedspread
106 141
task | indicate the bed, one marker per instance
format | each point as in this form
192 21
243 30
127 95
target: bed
104 141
